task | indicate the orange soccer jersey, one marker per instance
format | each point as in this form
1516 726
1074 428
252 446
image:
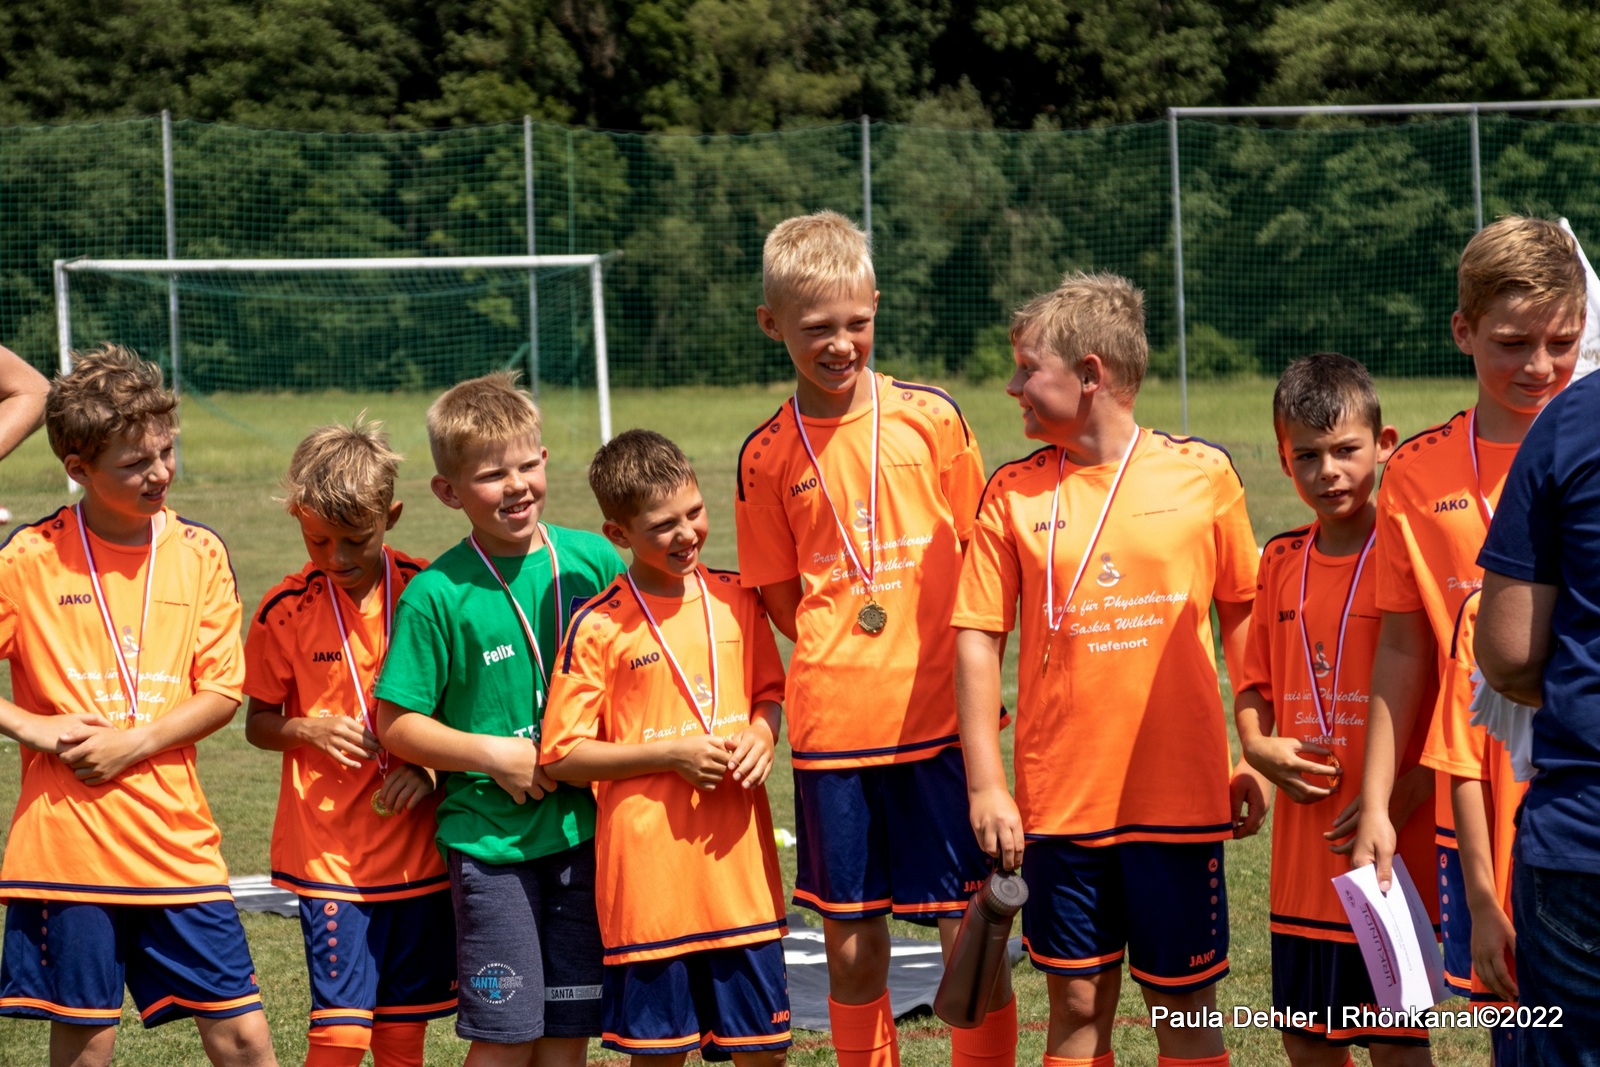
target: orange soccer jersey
679 869
1304 902
1439 490
858 699
1463 750
327 840
146 837
1129 701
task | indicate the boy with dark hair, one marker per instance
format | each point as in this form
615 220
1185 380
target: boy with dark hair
121 624
463 692
667 699
353 836
1313 632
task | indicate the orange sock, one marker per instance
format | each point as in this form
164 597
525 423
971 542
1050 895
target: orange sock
864 1034
992 1043
1105 1059
1204 1061
398 1044
338 1046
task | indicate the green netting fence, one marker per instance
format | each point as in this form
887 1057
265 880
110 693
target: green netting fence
1294 239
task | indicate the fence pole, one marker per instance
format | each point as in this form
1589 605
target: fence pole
64 332
533 250
572 238
1477 172
602 357
172 279
1177 271
866 175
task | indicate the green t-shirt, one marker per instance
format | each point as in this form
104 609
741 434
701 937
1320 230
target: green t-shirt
459 652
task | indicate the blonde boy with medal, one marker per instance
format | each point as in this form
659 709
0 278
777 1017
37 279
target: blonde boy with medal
120 621
1124 793
463 692
666 697
353 837
1301 709
855 500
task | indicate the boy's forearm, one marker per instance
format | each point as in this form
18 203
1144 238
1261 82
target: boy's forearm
27 728
782 601
978 707
425 741
609 761
769 712
200 716
265 727
1405 658
1253 717
22 399
1472 838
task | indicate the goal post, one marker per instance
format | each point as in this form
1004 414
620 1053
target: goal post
173 268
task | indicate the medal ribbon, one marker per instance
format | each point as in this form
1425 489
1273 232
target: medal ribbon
1477 481
872 494
711 643
527 627
1325 719
125 675
350 662
1053 617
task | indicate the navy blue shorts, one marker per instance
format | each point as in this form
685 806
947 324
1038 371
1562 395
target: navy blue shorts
1455 921
1165 904
892 838
1321 977
393 961
67 962
721 1001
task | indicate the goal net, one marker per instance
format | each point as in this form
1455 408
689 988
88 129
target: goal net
234 335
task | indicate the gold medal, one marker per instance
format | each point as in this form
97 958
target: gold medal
378 805
872 617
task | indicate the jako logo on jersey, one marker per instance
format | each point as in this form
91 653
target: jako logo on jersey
1042 527
336 656
802 487
643 661
75 598
1286 616
1450 505
495 655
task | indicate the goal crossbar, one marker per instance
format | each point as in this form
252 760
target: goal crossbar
593 262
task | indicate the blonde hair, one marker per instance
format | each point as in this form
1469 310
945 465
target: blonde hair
814 254
475 413
1099 313
1526 258
109 393
634 470
343 475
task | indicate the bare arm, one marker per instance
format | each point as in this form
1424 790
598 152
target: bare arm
1406 657
700 759
1280 760
98 754
782 600
1513 639
43 733
342 738
995 818
513 762
1493 942
22 396
1249 791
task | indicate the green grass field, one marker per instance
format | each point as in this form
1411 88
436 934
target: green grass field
234 452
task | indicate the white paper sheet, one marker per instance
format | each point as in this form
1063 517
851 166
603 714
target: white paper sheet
1396 938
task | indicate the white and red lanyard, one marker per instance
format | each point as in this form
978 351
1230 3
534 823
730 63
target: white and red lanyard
867 572
125 674
1477 479
708 723
1054 616
527 627
1326 720
350 661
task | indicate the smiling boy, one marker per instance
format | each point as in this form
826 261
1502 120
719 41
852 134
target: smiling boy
463 692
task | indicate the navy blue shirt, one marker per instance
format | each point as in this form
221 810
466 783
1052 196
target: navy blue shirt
1547 531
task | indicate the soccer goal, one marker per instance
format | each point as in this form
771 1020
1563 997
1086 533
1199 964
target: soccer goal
363 325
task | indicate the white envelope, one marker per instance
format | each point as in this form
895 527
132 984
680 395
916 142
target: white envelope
1396 938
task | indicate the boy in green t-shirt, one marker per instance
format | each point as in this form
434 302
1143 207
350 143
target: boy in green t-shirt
463 691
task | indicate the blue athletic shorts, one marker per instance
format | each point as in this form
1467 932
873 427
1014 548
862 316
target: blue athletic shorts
1166 904
68 962
892 838
1318 977
392 960
721 1001
528 952
1455 921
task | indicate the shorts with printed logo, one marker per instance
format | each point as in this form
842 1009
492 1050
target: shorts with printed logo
389 961
721 1001
68 962
891 838
1164 904
528 952
1313 978
1455 921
